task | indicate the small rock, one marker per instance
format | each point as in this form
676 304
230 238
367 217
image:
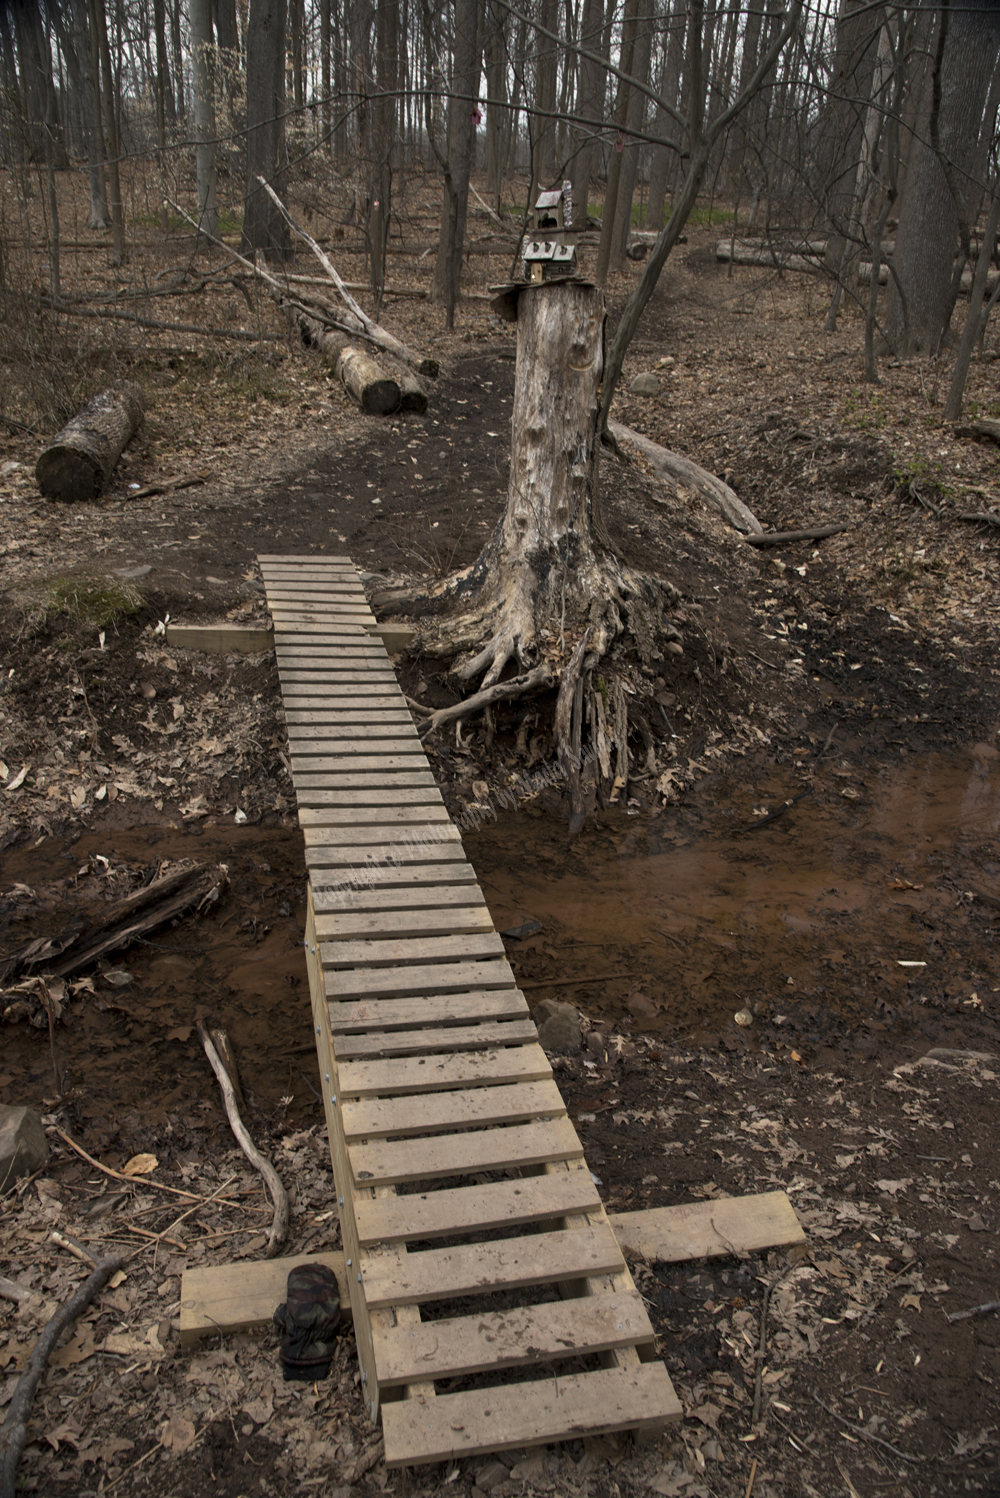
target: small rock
596 1047
7 470
489 1477
23 1145
976 1224
667 362
712 1451
743 1017
558 1026
645 384
133 571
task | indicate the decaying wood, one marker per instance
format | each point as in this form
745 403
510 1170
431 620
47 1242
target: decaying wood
376 393
187 887
279 1196
817 533
751 252
14 1435
680 473
982 517
81 459
11 1290
171 486
227 1056
567 729
979 428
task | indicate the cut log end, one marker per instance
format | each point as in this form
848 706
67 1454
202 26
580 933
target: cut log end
81 459
63 472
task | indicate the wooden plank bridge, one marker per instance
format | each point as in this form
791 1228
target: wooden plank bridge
491 1302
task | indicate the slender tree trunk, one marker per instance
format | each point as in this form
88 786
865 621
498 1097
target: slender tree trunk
974 319
102 49
178 58
204 113
383 140
264 229
635 116
326 73
461 141
605 248
590 104
542 163
666 128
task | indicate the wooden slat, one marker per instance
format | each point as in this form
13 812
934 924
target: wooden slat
361 713
321 795
413 897
392 1164
301 735
451 920
528 1414
438 1112
311 558
450 1038
419 832
357 764
349 676
455 1346
427 977
344 780
323 692
411 1074
387 859
396 952
347 1016
382 820
476 1268
701 1230
304 627
222 1299
334 745
332 882
461 1210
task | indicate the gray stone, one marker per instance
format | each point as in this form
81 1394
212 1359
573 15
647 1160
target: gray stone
645 384
490 1476
130 572
23 1145
558 1026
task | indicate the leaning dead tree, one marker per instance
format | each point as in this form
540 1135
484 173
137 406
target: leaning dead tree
549 605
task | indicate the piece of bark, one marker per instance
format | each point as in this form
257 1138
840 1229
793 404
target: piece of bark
817 533
81 459
676 471
14 1435
184 888
279 1196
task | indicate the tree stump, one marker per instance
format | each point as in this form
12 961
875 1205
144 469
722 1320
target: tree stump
78 464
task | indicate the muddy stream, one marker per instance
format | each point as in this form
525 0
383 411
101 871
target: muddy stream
666 925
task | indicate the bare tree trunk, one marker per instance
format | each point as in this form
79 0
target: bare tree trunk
112 138
204 113
383 141
635 116
590 104
975 318
665 127
461 141
938 191
264 229
542 156
604 249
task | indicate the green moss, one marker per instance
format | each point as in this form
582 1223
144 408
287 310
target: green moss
97 601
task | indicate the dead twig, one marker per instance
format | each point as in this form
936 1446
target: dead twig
866 1435
753 1474
11 1290
985 1309
72 1247
117 1175
167 327
14 1435
279 1196
170 486
815 533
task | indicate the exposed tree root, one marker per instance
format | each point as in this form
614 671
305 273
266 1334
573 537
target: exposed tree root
518 686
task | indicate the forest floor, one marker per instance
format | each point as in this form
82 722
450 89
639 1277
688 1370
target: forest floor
862 670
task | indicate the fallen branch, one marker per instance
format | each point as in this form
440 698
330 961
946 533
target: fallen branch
983 517
168 327
171 486
518 686
979 428
372 331
676 471
72 1247
279 1196
985 1309
14 1435
866 1435
779 538
11 1290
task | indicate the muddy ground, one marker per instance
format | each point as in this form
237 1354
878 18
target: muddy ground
861 671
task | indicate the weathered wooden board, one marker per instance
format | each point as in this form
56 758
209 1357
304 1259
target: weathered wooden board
357 764
222 1299
454 1346
710 1229
362 713
376 820
302 735
424 978
219 639
528 1414
363 800
366 924
462 1210
438 1112
408 897
474 1268
386 862
414 1074
399 1161
392 951
333 883
348 1016
417 832
449 1038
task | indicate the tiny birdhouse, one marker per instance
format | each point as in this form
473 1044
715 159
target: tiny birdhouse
546 254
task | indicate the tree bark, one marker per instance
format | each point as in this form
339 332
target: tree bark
78 464
461 142
375 392
921 297
204 113
590 106
264 228
112 137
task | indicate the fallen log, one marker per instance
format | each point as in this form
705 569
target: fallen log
981 427
375 392
677 472
742 253
81 459
191 886
812 248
